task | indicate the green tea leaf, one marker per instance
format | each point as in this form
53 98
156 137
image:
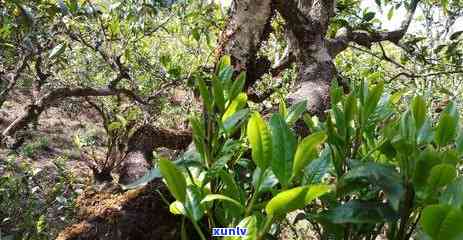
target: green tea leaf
459 142
447 128
225 61
442 222
267 182
238 103
372 100
453 194
295 112
335 93
198 135
427 159
234 121
295 198
231 187
175 180
284 144
441 175
237 86
203 90
192 203
217 91
249 223
260 140
419 111
225 77
385 177
306 151
350 108
213 197
358 212
177 208
316 170
282 107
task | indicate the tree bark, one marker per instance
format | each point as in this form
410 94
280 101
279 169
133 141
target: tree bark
138 159
134 215
307 22
247 28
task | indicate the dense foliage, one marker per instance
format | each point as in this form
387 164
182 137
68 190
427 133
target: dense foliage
377 167
100 89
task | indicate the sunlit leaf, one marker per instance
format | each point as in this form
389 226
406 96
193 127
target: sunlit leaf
295 198
238 103
213 197
260 141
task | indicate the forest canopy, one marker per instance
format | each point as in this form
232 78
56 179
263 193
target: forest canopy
292 119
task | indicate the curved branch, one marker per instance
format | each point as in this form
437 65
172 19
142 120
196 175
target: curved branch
366 39
34 110
411 75
13 77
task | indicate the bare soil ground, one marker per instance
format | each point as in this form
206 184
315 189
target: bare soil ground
102 212
136 214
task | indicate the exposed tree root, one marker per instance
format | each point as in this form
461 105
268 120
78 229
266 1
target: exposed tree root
138 214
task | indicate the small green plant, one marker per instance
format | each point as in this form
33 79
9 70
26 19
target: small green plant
29 196
216 181
31 149
395 171
119 126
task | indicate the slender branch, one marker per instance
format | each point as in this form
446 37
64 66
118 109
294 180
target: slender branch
13 77
379 57
411 75
366 39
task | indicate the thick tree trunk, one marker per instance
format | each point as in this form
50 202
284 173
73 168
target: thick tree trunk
307 23
315 72
248 27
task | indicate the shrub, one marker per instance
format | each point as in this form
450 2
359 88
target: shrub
30 200
378 170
